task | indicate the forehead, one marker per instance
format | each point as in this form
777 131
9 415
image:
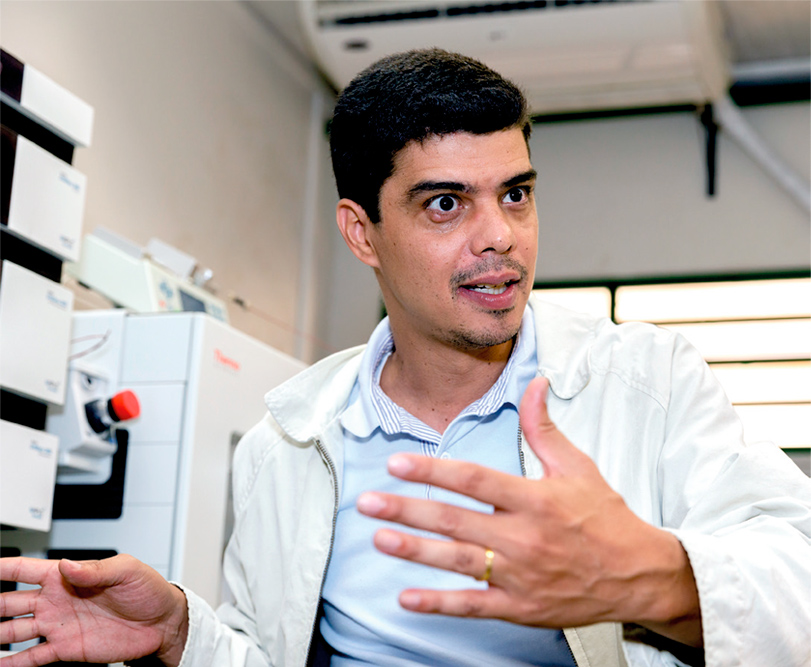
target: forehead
475 159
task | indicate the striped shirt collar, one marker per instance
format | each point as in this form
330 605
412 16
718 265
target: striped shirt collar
370 408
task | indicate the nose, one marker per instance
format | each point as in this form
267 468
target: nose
493 232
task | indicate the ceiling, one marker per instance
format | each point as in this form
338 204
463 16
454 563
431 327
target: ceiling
769 40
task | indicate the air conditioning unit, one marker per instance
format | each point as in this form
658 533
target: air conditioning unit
567 55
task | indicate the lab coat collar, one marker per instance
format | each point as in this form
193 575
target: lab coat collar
308 402
564 339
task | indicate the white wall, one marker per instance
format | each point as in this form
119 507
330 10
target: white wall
625 197
202 136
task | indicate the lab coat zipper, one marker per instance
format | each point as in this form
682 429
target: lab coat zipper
521 452
333 473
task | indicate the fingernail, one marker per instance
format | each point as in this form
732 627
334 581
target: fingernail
370 503
410 599
388 541
400 465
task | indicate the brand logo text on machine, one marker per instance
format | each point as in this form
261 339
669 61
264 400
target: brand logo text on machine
74 186
39 449
56 301
223 360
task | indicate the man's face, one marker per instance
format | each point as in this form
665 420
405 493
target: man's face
456 243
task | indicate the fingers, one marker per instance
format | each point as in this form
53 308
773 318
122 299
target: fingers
84 574
97 573
25 570
441 518
557 454
18 603
40 654
502 490
490 603
458 557
18 630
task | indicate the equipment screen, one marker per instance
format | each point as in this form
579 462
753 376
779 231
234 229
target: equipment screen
191 303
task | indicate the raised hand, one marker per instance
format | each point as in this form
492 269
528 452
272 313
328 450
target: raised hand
566 549
91 611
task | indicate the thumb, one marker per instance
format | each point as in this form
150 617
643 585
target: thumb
88 573
558 456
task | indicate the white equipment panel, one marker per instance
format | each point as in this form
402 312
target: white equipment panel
25 500
200 384
49 104
47 200
35 320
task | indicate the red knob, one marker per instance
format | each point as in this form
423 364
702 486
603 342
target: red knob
125 405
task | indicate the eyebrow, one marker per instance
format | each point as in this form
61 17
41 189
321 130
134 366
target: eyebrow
529 175
433 186
455 186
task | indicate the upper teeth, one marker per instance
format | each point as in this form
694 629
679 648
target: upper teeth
491 289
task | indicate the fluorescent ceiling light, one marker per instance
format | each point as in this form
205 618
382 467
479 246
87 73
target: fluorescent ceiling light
788 426
749 341
705 302
775 382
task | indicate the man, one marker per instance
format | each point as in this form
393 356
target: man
625 499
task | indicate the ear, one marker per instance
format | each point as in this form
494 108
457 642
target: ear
356 227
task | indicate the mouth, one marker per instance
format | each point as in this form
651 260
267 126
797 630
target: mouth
491 285
489 288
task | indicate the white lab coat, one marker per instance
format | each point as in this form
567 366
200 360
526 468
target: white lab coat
640 402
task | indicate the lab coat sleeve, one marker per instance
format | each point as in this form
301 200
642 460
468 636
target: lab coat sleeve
211 642
275 558
228 637
743 514
241 631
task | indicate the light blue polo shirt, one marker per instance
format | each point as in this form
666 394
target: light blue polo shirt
363 622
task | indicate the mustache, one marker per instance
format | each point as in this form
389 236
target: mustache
488 265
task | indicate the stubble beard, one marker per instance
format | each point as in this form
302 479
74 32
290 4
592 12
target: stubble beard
500 332
472 341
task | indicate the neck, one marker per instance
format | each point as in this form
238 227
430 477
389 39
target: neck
435 383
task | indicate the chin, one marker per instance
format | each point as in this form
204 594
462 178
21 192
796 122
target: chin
483 339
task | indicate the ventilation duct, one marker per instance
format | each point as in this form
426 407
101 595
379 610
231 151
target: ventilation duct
567 56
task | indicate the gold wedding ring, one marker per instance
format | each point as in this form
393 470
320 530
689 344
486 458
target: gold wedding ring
488 565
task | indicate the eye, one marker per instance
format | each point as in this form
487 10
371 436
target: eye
516 195
443 204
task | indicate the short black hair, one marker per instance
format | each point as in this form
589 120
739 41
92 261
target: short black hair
409 97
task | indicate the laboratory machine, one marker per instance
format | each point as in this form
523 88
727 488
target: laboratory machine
156 482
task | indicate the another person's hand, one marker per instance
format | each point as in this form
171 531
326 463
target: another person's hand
91 611
563 551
